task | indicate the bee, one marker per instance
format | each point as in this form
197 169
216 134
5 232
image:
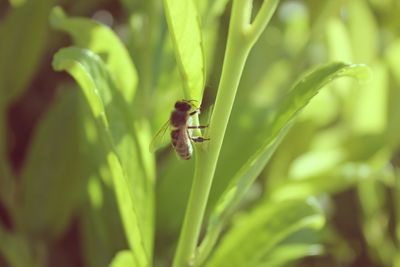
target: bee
179 122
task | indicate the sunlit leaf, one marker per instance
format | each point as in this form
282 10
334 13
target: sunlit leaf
101 228
363 31
83 65
338 41
370 107
210 13
118 104
103 41
92 76
123 259
254 234
335 180
184 28
393 128
291 104
236 191
284 254
309 85
391 54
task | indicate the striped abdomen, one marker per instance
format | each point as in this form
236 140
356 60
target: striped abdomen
181 142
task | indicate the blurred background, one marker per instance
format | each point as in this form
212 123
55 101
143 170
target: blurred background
343 149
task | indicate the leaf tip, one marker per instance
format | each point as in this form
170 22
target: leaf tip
361 72
56 15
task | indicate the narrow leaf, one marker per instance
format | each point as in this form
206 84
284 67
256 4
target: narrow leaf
24 33
185 33
283 255
254 234
296 100
122 79
53 177
15 250
84 66
332 181
123 259
92 76
230 199
309 85
103 41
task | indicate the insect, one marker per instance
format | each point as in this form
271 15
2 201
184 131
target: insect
179 122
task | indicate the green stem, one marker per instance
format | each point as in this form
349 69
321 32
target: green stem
238 47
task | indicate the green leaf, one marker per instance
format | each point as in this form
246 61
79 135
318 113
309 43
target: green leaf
185 33
376 93
23 34
335 180
397 207
83 65
391 54
296 99
115 93
284 254
254 234
54 175
117 129
101 228
376 219
309 85
365 43
123 259
239 186
17 3
99 38
15 250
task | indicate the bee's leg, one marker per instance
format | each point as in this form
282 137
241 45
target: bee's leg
199 139
197 127
194 112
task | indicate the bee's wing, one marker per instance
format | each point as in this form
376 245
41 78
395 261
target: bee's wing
158 140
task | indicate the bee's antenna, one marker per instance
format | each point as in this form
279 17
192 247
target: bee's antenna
190 102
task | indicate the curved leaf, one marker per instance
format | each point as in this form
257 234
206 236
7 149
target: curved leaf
123 259
185 32
92 76
85 67
283 255
254 234
287 110
103 41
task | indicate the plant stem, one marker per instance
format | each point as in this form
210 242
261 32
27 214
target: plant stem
238 47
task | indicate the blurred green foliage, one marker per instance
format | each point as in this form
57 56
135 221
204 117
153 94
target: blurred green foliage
78 186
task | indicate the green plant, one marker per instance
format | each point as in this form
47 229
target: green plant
303 148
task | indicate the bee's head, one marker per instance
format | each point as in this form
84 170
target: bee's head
183 106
